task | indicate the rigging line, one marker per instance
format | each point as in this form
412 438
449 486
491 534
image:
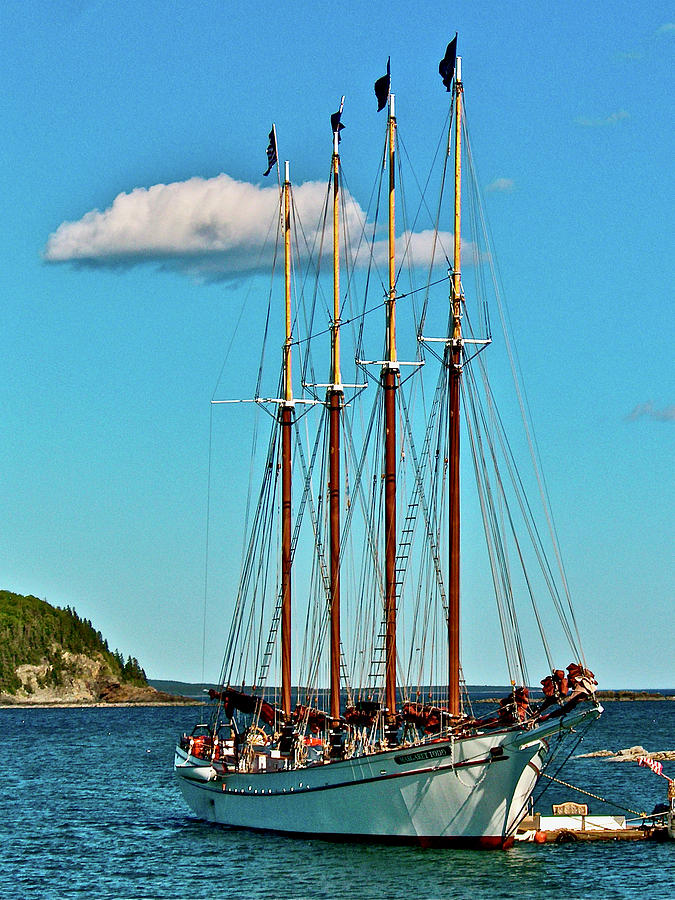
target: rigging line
419 497
298 285
533 446
423 190
594 796
320 235
430 284
296 224
319 561
425 287
528 517
349 209
514 658
260 586
244 304
311 248
522 809
375 416
517 543
523 501
422 204
262 578
309 644
476 214
351 255
407 258
428 614
374 193
564 762
370 575
246 573
264 340
206 549
306 499
361 316
406 255
251 467
379 181
497 516
441 194
317 334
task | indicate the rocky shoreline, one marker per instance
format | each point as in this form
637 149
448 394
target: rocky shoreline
632 695
85 681
88 688
122 698
629 754
56 704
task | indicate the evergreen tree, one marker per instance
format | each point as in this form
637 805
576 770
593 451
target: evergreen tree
32 631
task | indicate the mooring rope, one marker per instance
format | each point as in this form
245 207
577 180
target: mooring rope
573 787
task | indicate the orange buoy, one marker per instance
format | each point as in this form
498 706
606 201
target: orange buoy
540 837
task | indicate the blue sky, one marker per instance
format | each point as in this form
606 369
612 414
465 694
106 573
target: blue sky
114 336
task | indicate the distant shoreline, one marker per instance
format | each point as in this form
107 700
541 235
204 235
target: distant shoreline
56 704
604 696
633 695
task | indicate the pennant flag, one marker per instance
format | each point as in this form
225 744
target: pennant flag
382 86
446 67
335 123
271 152
656 767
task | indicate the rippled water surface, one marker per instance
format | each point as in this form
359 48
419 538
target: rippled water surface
89 808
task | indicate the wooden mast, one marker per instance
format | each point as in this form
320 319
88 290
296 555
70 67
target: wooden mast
286 421
454 700
389 377
334 403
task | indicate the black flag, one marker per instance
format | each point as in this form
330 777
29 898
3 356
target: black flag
271 152
336 124
382 88
446 66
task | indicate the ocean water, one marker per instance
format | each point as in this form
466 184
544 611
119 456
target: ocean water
89 808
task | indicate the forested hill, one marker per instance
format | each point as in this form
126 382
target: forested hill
47 653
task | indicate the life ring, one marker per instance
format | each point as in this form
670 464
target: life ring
566 837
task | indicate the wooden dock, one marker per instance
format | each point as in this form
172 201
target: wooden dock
542 830
566 836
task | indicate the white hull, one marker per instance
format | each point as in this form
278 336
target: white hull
467 791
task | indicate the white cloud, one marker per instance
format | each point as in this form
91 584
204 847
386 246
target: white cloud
216 228
602 121
501 186
647 410
206 227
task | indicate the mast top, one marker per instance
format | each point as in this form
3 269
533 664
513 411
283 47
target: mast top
337 126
